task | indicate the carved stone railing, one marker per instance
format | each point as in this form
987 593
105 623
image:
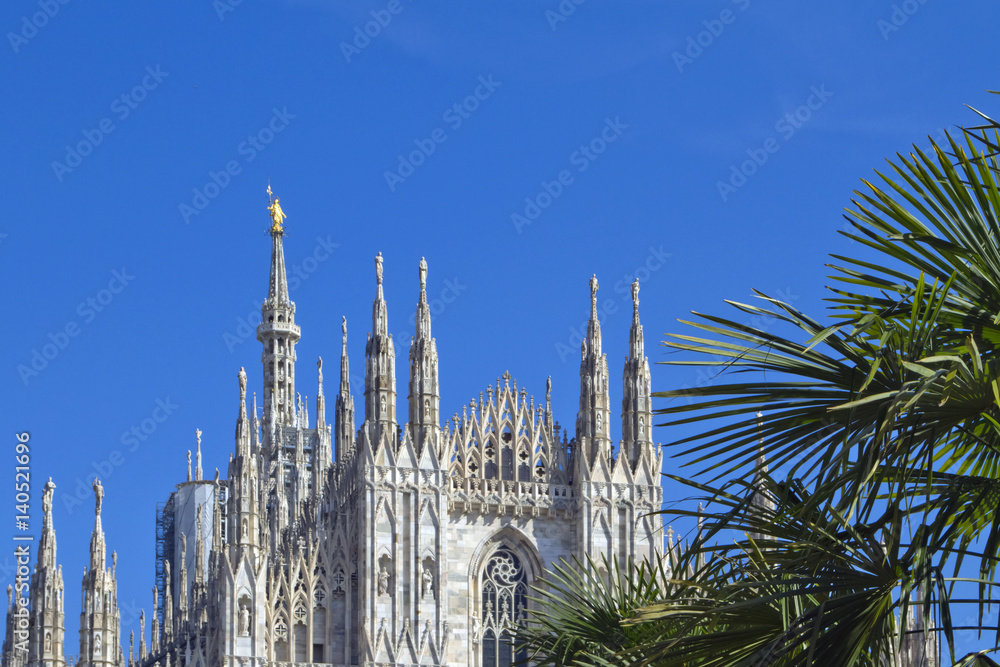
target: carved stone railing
503 495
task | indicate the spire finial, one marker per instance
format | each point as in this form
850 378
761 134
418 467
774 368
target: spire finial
99 497
197 469
243 384
593 296
378 268
635 297
47 502
189 466
423 276
343 328
277 215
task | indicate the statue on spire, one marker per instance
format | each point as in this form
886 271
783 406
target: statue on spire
99 495
277 215
378 268
635 295
343 327
243 384
47 496
593 292
423 274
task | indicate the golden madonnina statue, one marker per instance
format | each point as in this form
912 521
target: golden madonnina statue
277 215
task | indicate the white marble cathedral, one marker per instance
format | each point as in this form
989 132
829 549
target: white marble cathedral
389 544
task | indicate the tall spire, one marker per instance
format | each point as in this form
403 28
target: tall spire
380 370
424 398
97 551
244 509
592 426
322 456
344 416
197 469
46 643
637 404
100 620
320 399
762 501
278 332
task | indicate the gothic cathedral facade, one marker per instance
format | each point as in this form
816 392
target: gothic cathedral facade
384 543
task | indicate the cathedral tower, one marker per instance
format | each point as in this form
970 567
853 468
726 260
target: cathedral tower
637 404
424 393
278 333
593 441
100 631
380 372
46 646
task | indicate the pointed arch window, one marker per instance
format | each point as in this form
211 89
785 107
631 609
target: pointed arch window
505 608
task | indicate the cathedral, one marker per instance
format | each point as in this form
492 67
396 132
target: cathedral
372 543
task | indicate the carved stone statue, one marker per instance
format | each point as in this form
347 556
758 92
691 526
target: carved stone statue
475 628
423 274
378 268
383 581
427 583
189 465
99 495
244 621
47 497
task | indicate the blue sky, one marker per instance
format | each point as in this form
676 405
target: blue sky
518 146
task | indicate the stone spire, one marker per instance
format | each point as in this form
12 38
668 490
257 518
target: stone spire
199 551
154 635
761 500
595 407
637 402
320 399
168 605
100 630
278 333
424 393
380 371
46 644
244 478
344 411
142 634
322 454
197 468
